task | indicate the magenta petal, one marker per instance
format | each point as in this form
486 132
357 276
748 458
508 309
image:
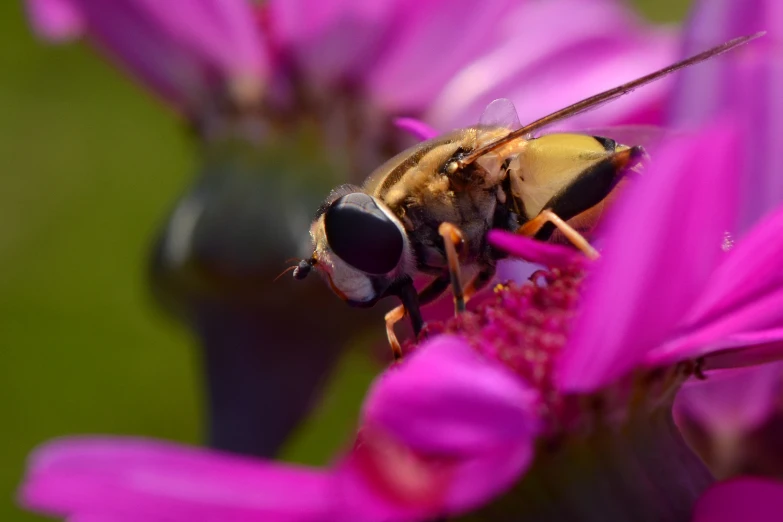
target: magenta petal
399 486
336 39
429 45
550 255
749 271
746 82
148 480
55 20
416 128
95 517
548 59
226 32
743 296
728 352
478 480
402 486
388 482
746 350
445 431
732 402
743 499
730 332
447 399
662 241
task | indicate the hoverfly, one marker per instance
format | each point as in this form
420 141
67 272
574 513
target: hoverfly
428 209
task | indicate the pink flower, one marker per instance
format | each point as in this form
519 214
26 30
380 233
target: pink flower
291 97
552 387
724 416
555 385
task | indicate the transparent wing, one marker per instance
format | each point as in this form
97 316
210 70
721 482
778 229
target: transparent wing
500 113
498 120
648 136
645 135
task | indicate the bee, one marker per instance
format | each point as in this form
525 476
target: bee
428 209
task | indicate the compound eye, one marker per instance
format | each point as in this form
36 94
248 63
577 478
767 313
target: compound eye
362 235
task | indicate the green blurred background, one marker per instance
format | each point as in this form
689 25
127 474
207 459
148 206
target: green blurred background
89 165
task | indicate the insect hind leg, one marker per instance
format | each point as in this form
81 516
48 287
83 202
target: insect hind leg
587 191
532 227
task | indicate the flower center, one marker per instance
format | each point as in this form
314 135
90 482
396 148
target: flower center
525 326
614 454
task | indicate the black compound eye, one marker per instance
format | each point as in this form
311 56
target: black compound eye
362 235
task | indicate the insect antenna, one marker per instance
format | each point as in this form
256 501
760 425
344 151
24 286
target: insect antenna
284 272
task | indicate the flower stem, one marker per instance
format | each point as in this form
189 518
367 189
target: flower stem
262 374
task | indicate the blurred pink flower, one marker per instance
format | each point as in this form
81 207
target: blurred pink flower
404 56
186 52
199 53
722 414
554 384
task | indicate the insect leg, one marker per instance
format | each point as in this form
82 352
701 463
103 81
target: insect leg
478 282
410 306
428 294
532 227
452 238
394 316
434 290
586 194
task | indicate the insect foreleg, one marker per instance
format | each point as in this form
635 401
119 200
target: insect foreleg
394 316
410 306
532 227
428 294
